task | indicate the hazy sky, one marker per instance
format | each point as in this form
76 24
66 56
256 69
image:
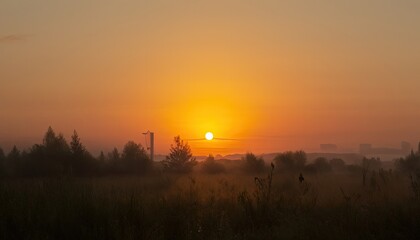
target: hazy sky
275 75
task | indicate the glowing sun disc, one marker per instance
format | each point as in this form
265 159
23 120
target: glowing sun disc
209 136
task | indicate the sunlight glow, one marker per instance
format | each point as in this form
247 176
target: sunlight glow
209 136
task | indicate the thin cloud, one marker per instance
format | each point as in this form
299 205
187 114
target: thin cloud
13 38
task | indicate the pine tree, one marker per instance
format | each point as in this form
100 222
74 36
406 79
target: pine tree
114 156
49 138
76 146
114 161
82 162
13 162
180 158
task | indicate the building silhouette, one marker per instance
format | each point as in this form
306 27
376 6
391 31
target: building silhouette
368 149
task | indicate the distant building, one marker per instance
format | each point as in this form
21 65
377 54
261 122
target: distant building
328 147
367 149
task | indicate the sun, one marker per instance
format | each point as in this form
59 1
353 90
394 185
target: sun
209 136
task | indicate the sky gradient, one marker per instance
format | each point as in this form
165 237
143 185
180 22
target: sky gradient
275 75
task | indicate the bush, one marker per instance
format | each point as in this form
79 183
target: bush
135 159
252 163
320 165
290 161
211 166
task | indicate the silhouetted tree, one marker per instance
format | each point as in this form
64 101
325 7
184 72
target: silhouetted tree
135 159
102 163
82 162
25 163
2 163
369 164
55 144
114 161
58 152
180 158
211 166
114 155
37 164
320 165
290 161
77 148
101 157
252 163
13 162
50 158
409 164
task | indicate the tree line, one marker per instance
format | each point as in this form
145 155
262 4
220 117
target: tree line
296 162
56 157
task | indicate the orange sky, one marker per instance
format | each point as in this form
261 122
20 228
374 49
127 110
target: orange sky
275 75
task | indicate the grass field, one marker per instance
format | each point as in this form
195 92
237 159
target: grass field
199 206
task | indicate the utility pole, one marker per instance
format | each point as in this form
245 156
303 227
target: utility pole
152 146
150 141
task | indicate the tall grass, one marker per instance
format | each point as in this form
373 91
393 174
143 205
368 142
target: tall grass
226 206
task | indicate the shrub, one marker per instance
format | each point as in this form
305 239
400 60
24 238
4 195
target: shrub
134 158
320 165
252 163
211 166
290 161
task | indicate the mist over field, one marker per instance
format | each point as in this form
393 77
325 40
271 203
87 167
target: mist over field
59 190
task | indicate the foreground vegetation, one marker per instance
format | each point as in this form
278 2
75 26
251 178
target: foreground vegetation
57 190
200 206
